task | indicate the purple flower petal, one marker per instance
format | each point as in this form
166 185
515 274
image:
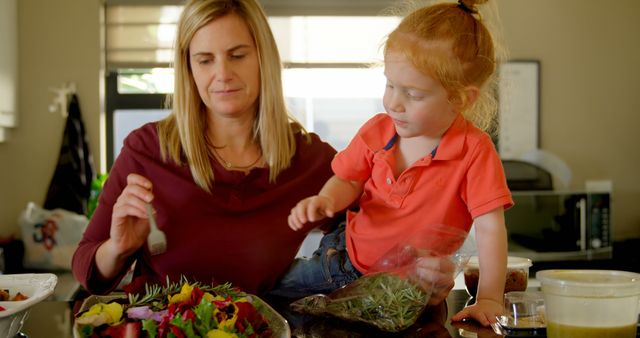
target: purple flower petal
144 312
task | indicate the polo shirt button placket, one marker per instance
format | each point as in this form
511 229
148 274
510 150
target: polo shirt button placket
389 181
396 200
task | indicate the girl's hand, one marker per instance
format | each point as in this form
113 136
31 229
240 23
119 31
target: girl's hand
484 311
437 274
129 221
310 209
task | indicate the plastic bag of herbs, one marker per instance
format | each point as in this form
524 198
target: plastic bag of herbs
392 295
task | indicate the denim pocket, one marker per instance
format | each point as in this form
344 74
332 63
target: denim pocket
329 268
336 265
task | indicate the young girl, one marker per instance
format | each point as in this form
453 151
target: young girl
427 160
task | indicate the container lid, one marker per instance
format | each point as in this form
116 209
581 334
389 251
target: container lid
512 262
591 283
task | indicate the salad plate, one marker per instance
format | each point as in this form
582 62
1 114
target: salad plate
277 326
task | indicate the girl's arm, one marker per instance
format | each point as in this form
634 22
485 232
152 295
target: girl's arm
491 238
335 195
341 192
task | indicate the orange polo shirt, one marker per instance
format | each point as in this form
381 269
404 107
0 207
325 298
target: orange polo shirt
464 180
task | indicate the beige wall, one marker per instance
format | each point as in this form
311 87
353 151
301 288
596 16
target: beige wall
58 42
588 50
590 114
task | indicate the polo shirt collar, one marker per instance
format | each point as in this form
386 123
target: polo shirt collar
452 142
394 139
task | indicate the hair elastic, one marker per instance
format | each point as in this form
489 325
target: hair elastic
466 8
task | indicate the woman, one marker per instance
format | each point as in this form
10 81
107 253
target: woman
221 172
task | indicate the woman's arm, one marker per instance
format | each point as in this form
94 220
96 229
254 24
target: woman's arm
116 232
129 227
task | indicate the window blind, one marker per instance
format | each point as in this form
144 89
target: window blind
141 35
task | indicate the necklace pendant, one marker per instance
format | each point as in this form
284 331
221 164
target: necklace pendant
228 164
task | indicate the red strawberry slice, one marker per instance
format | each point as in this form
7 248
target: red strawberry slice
124 330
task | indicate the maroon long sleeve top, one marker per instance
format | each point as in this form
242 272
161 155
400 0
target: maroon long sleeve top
238 233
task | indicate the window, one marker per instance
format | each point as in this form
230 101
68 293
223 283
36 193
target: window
332 77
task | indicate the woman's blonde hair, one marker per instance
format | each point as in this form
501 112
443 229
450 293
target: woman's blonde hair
451 43
182 133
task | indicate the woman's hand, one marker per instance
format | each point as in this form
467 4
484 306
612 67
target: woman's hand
310 209
129 221
437 274
484 311
129 226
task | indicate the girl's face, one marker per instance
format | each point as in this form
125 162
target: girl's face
418 104
225 67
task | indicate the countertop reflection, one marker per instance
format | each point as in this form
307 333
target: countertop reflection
54 318
434 322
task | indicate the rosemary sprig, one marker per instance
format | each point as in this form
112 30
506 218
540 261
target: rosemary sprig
157 293
152 292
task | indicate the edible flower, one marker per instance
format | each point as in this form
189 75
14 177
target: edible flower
185 294
220 334
102 313
145 312
187 310
226 316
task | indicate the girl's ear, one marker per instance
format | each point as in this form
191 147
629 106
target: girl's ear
470 95
465 98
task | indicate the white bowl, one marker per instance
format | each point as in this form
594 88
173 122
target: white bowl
36 286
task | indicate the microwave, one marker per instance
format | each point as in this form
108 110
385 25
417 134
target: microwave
560 225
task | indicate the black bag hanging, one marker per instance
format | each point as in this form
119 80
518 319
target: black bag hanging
71 183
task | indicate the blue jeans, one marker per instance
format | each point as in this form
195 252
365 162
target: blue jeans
328 269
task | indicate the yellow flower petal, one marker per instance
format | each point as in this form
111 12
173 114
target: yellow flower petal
219 298
114 310
93 310
220 334
102 313
208 297
95 319
226 319
184 294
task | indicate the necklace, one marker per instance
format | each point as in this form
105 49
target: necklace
229 165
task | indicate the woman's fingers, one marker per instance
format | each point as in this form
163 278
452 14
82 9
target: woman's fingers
139 186
128 211
129 208
132 201
136 179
